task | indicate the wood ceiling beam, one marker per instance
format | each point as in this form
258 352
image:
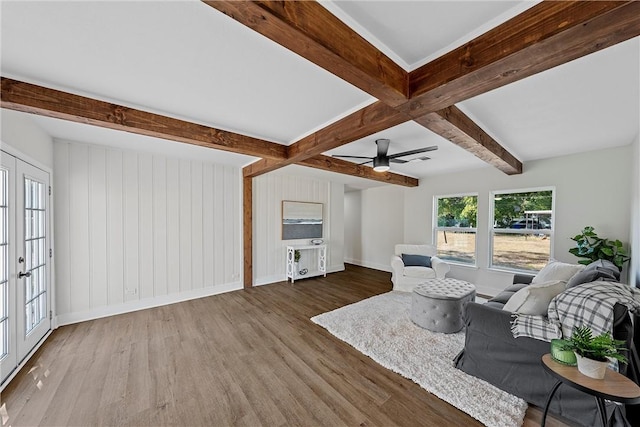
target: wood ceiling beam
332 164
311 31
29 98
367 121
549 34
454 125
371 119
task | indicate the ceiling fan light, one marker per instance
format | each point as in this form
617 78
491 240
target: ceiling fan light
380 164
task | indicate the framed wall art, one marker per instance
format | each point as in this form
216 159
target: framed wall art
301 220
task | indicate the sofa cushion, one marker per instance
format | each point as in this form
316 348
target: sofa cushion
507 293
556 270
522 278
416 260
535 298
420 272
586 276
494 304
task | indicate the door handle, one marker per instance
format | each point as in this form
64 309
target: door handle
21 274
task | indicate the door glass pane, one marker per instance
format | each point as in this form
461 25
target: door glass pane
35 289
34 194
41 221
4 263
3 220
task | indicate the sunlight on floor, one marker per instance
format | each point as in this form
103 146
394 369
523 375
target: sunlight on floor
4 414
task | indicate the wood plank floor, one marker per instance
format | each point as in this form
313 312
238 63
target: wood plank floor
249 357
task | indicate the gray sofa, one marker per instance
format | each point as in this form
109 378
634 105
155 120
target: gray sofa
514 364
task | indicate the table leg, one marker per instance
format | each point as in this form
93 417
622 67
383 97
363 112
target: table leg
546 407
602 410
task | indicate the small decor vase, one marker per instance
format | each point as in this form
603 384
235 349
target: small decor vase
567 357
591 368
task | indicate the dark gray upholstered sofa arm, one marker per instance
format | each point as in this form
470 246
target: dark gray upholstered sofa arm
495 323
493 354
513 364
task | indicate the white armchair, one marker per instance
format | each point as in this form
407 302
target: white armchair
405 278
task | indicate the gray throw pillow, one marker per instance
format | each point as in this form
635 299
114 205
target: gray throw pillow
604 265
416 260
586 276
508 292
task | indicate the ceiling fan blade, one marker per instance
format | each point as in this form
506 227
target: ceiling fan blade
383 147
352 157
419 159
416 160
417 151
369 161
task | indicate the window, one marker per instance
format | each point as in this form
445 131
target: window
522 229
455 227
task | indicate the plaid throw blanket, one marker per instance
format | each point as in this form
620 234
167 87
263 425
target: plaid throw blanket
590 304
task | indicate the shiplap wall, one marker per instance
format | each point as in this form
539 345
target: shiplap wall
269 191
138 230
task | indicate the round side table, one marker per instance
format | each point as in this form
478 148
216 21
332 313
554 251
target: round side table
614 386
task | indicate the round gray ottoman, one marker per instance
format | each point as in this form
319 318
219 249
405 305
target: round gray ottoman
437 304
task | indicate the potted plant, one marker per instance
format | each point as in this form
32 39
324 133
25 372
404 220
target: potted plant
296 260
593 248
593 353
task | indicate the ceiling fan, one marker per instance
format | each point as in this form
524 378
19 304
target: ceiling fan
382 159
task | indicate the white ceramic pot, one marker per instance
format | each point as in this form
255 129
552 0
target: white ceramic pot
592 368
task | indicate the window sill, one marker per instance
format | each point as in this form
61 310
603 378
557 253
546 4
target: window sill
513 270
461 264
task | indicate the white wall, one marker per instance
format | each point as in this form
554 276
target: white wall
376 217
634 267
137 230
591 189
353 227
269 190
336 227
20 132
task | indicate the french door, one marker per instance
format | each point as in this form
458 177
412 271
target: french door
24 260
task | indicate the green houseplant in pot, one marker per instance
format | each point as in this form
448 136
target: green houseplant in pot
296 261
593 353
592 247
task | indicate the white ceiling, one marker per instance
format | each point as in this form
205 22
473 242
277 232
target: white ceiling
182 59
186 60
415 32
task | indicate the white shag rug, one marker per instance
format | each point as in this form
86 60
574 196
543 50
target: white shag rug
380 328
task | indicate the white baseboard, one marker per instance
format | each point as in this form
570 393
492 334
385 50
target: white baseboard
127 307
373 265
267 280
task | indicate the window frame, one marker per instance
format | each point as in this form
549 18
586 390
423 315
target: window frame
436 228
521 231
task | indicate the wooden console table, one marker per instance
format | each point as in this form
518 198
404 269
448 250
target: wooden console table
614 386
